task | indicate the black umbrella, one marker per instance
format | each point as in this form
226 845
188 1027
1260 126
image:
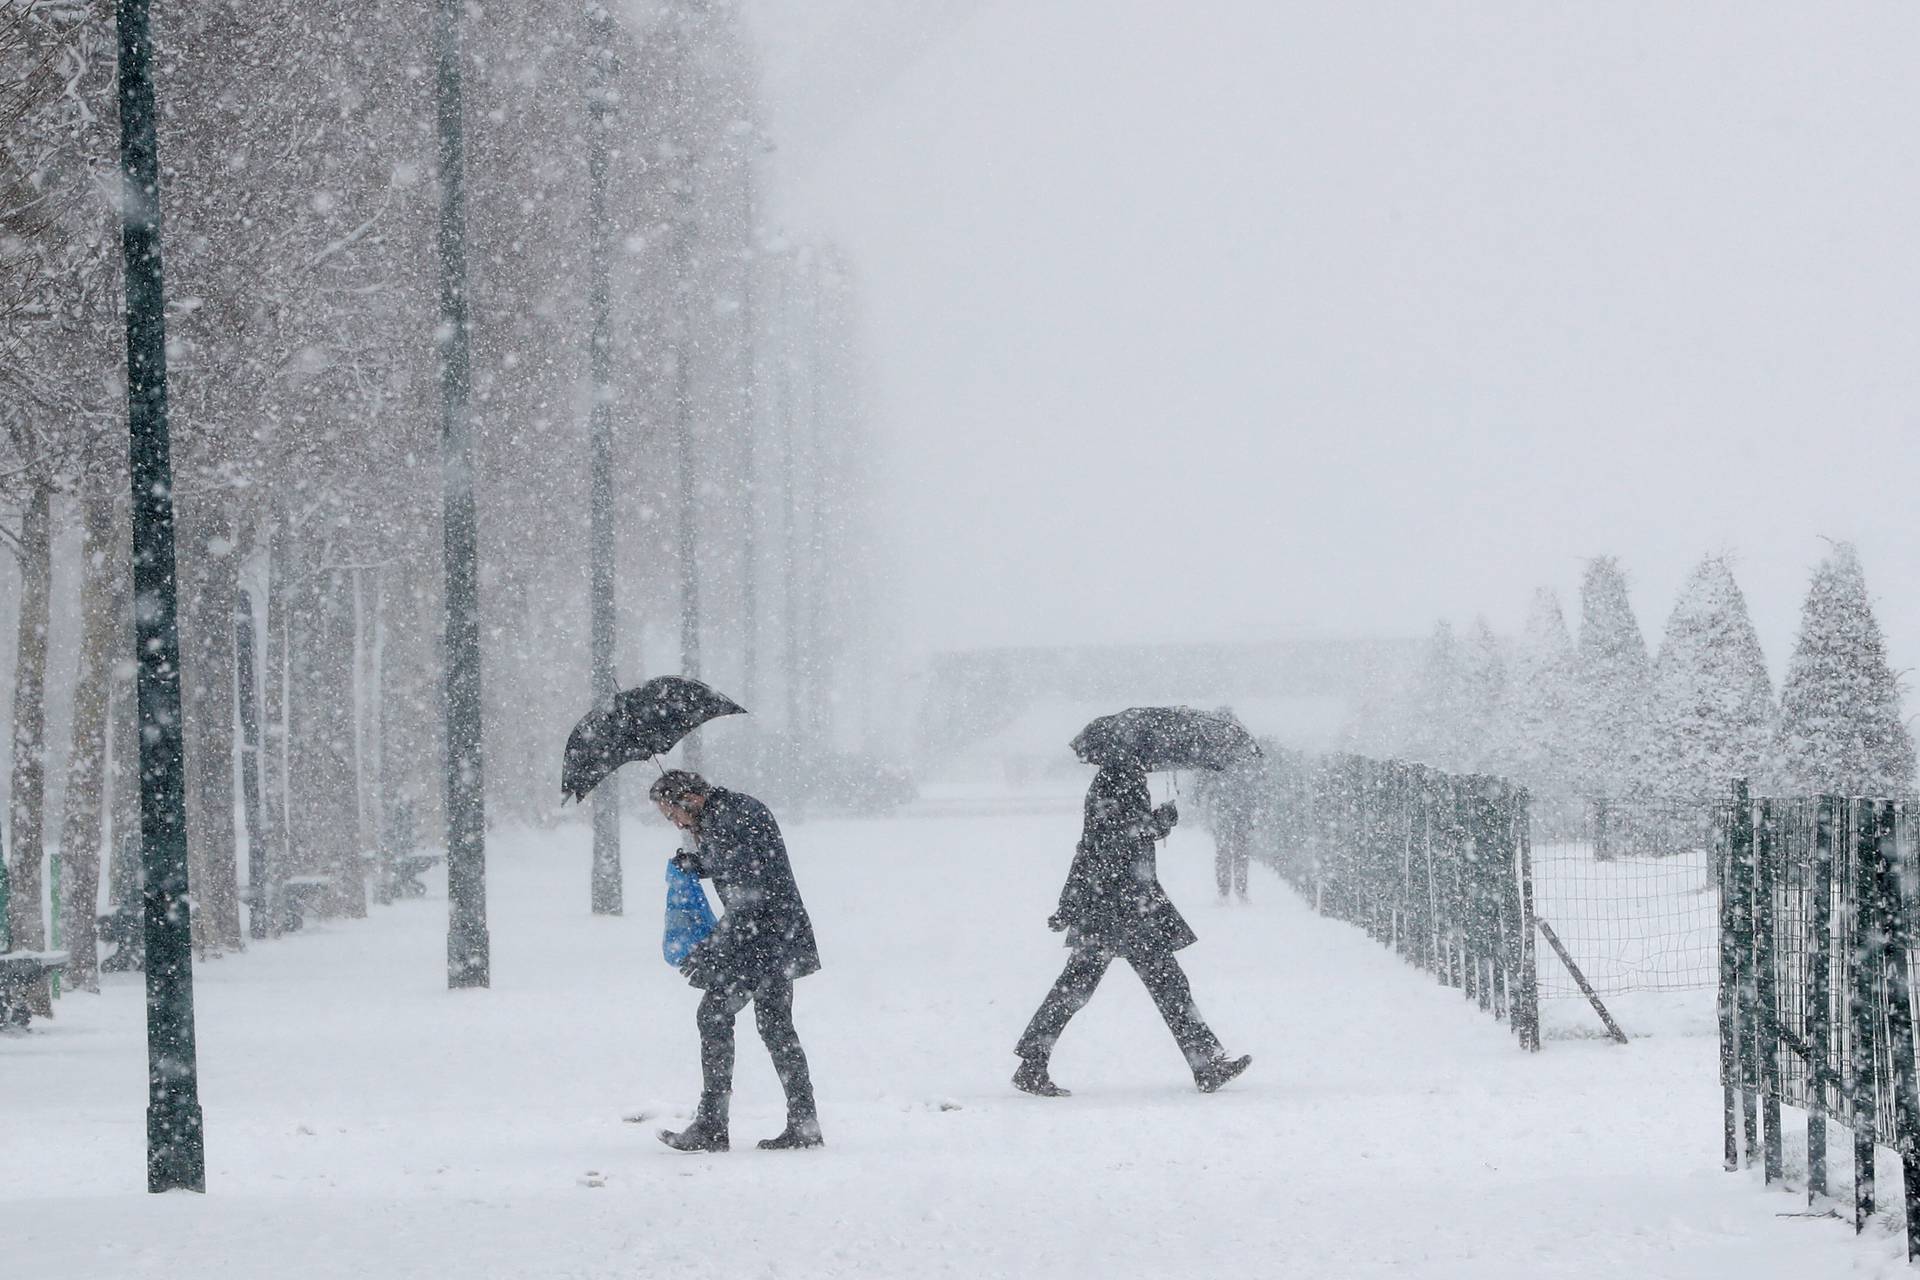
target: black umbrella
638 724
1165 738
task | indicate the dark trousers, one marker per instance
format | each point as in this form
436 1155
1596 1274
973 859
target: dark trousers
1230 864
1164 980
772 1003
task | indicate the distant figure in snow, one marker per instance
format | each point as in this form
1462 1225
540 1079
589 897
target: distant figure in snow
1113 907
1230 808
761 943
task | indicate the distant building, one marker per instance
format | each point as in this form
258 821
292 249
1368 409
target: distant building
1006 715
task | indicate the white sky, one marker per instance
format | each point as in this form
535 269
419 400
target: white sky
1245 318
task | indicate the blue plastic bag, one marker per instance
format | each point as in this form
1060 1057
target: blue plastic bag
689 918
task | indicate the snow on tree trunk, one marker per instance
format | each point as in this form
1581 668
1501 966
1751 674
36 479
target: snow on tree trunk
83 826
209 567
27 806
124 875
273 729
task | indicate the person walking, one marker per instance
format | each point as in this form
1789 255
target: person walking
762 942
1231 807
1113 907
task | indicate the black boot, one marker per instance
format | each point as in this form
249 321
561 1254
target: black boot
708 1132
1032 1078
801 1132
1211 1075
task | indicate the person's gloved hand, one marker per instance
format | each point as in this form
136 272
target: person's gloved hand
686 862
1057 922
1167 816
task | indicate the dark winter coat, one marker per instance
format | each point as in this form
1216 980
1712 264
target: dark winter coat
764 929
1112 898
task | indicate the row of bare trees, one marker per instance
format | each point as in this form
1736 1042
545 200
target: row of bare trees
299 197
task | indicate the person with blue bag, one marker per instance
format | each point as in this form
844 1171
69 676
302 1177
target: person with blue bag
752 954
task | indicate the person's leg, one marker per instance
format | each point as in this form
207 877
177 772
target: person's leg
1242 855
773 1014
1070 993
1222 864
1167 983
717 1012
708 1132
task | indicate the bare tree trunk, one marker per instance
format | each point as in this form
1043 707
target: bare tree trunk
365 778
207 688
124 873
27 810
335 660
82 830
273 766
320 734
412 757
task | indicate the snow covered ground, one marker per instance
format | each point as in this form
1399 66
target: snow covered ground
363 1121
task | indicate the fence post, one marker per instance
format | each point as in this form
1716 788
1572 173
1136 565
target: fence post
1487 868
1458 966
1423 788
1740 859
1766 995
1473 852
1867 961
1729 993
1526 1018
1502 895
1898 935
1820 934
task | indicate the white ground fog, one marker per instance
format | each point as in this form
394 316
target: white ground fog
363 1121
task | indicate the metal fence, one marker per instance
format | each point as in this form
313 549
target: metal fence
1628 886
1434 866
1816 983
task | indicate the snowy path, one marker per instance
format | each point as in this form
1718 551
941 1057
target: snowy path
363 1121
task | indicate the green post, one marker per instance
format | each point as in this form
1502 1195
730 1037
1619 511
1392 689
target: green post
1729 992
1822 936
1766 851
1896 867
175 1145
1863 1064
1741 852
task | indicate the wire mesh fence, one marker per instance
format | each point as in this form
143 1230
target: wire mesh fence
1816 977
1629 888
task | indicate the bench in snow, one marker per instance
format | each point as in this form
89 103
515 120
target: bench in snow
21 972
302 894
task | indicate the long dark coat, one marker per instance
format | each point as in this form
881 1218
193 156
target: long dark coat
765 929
1112 898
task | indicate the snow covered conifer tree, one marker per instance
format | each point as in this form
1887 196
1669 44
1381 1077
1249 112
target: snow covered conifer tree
1613 686
1484 701
1841 729
1439 702
1537 737
1712 710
